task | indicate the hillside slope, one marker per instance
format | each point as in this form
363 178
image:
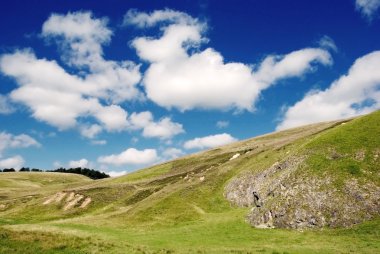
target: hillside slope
14 184
321 175
332 180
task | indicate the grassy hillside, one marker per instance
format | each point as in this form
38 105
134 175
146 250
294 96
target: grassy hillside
13 184
37 179
321 179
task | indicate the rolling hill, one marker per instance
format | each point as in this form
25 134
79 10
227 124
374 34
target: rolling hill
312 189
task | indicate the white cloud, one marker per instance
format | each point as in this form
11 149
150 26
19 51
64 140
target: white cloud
201 79
141 19
222 124
81 36
353 94
8 141
163 129
294 64
15 162
6 106
52 99
94 86
140 120
90 131
82 163
115 173
368 8
209 141
99 142
172 153
130 156
327 42
113 117
46 89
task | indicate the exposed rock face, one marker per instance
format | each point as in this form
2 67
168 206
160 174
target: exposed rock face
69 200
86 202
281 196
240 191
235 156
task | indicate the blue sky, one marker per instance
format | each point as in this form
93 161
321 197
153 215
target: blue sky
120 85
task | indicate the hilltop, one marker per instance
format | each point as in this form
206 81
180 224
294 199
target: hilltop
316 187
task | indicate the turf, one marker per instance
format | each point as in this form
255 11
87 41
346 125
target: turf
179 206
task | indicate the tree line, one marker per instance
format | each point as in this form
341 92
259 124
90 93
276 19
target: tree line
91 173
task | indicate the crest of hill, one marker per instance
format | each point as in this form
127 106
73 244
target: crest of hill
38 179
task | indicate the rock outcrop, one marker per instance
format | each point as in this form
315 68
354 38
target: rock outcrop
68 200
282 196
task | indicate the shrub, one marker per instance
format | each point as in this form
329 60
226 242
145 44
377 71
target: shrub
9 170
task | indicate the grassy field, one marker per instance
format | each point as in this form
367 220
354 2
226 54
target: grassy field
179 206
223 233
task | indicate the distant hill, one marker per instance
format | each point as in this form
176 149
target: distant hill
324 175
91 173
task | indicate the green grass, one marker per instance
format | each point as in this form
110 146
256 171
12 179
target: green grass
215 233
144 174
22 180
336 150
167 208
28 242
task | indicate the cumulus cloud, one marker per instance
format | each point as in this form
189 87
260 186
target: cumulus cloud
131 156
368 8
94 89
94 86
172 153
209 141
90 131
81 37
82 163
182 76
15 162
163 129
9 141
294 64
113 117
357 92
6 106
115 173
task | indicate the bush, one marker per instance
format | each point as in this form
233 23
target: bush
93 174
9 170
